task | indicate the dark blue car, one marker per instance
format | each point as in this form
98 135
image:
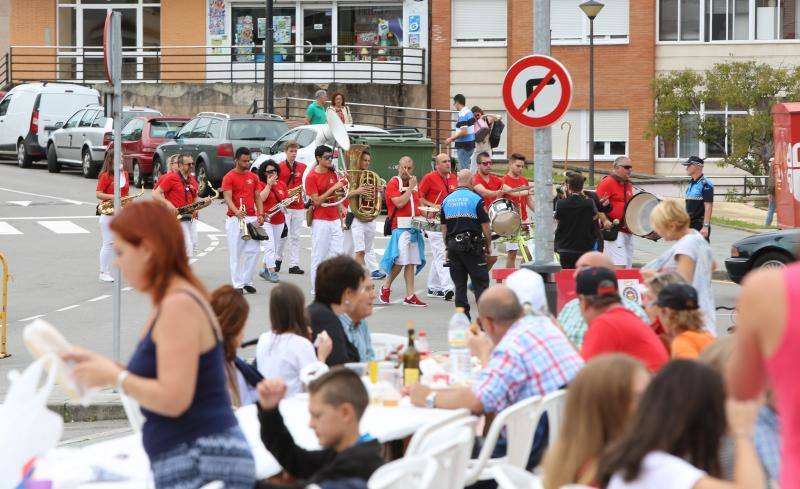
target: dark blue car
771 250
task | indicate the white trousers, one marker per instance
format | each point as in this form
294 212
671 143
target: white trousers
438 276
294 220
326 242
189 236
242 253
107 247
621 250
270 246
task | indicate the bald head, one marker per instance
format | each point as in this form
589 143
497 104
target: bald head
464 178
499 302
442 163
405 167
594 259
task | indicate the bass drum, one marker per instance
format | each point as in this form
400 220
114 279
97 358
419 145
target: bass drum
504 218
637 215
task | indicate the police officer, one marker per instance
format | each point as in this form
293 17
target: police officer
699 197
465 227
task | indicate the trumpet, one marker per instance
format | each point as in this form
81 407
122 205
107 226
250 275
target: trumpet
243 233
106 208
188 210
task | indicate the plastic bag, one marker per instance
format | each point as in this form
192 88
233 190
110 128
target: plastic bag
27 428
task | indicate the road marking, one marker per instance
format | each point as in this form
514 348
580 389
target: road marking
63 227
62 199
99 298
6 228
68 308
205 228
210 248
31 318
23 203
379 251
201 254
37 218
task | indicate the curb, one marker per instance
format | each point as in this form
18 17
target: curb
73 412
715 275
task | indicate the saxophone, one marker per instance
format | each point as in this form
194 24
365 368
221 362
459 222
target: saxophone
106 208
189 209
366 206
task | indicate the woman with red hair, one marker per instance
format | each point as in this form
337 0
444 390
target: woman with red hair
177 372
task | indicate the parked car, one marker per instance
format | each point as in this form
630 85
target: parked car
129 113
30 112
771 250
140 138
213 138
84 139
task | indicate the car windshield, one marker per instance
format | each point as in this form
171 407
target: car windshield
256 130
127 115
159 129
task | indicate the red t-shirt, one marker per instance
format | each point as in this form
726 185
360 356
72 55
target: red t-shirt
242 186
520 201
105 184
319 183
284 175
621 331
277 193
177 191
494 183
410 209
432 187
619 193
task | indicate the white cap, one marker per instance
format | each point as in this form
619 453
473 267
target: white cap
529 288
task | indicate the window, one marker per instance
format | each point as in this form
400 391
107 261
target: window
610 135
569 25
249 27
86 120
306 137
187 129
688 142
126 131
366 26
133 130
214 129
480 22
256 130
200 128
159 129
728 20
280 145
4 105
73 121
100 120
610 132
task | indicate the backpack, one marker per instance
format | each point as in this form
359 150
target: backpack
497 131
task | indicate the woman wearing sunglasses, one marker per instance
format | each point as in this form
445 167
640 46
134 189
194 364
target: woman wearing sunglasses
273 191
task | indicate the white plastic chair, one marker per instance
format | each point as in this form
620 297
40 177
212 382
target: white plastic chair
385 343
520 422
420 436
553 404
451 447
510 477
418 472
133 412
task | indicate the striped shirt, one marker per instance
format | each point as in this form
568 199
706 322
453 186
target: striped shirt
532 359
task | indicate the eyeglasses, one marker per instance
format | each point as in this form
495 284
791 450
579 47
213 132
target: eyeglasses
190 164
327 157
627 167
485 163
270 172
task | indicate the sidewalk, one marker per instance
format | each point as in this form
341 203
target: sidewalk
105 405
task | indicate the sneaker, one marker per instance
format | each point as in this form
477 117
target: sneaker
378 275
278 265
296 270
414 301
435 293
249 289
264 274
106 277
274 278
384 297
448 296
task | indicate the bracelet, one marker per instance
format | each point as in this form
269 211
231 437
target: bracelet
121 380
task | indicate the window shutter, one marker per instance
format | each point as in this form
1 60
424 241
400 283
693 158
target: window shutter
611 125
477 21
613 19
566 20
576 146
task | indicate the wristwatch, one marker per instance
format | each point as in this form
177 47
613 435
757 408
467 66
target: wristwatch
707 226
430 400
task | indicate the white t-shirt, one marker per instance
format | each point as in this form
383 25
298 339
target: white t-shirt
661 470
283 356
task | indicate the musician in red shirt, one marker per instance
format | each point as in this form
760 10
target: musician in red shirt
359 240
523 199
105 193
618 190
321 185
490 187
290 173
240 189
178 189
406 248
433 188
273 192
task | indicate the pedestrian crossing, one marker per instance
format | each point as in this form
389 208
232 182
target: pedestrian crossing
67 226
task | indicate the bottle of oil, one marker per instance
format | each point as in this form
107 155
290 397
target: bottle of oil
411 359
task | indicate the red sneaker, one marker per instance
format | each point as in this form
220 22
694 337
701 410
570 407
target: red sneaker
384 297
414 301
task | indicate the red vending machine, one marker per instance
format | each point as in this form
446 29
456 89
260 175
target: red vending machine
786 137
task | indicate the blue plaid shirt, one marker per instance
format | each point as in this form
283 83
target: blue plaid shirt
533 359
358 335
767 439
575 327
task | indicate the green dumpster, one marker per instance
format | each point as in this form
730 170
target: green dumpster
387 151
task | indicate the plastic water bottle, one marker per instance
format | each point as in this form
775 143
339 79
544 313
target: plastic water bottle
460 369
422 345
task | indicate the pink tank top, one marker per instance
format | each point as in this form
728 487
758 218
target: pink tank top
782 368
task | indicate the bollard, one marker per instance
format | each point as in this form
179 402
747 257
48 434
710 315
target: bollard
4 311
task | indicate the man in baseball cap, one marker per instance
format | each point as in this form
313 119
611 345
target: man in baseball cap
699 197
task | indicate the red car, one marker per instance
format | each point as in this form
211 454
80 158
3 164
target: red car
140 138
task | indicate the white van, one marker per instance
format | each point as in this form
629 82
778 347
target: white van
30 112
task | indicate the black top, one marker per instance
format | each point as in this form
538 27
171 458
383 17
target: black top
698 193
463 210
324 319
315 466
576 228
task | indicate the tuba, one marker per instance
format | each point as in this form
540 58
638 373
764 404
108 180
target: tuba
106 208
366 206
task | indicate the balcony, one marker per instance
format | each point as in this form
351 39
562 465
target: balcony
213 64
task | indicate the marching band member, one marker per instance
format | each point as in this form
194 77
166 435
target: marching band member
522 199
490 187
272 191
177 189
290 173
240 189
618 190
104 193
433 188
326 229
360 239
406 248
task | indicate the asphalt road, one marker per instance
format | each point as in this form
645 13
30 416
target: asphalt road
50 237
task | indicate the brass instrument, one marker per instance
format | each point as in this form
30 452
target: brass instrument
106 208
243 232
341 194
293 196
189 209
366 206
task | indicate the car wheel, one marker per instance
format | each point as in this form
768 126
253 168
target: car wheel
53 166
157 171
136 175
201 174
772 259
24 160
88 167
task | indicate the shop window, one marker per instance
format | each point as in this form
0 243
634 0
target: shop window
363 31
249 33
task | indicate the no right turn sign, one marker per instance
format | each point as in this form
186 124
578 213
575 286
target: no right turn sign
537 90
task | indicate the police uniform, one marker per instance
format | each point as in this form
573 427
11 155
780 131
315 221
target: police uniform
698 193
464 214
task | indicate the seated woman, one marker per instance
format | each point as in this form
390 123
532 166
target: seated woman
286 349
683 322
600 401
343 290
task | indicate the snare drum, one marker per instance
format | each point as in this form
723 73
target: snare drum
424 224
504 218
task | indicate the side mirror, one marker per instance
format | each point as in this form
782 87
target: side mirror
169 135
59 125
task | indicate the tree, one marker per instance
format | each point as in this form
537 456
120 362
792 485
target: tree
754 87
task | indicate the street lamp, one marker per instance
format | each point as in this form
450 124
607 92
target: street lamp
269 76
591 9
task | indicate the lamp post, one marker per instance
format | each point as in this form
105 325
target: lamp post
591 9
269 77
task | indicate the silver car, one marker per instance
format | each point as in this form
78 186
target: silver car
84 138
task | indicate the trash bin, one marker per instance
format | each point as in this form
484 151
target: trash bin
387 151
